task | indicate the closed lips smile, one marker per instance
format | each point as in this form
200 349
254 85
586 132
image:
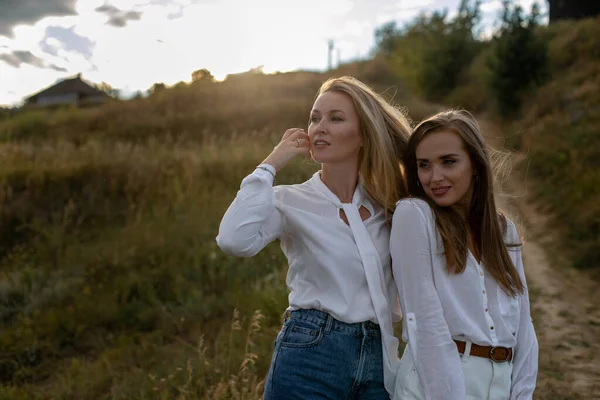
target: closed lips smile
440 191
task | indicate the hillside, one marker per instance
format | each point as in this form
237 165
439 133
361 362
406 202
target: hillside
111 283
559 133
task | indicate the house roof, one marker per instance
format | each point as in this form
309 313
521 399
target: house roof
71 85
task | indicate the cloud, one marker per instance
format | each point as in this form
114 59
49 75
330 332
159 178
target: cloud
18 57
31 11
58 38
118 18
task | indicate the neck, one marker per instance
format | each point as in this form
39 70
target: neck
463 206
341 179
461 209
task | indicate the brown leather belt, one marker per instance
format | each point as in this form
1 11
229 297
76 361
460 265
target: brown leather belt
496 354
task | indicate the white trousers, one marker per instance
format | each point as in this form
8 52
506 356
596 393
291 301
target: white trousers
484 379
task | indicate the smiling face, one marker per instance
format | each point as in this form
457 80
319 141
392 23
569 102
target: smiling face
334 129
444 168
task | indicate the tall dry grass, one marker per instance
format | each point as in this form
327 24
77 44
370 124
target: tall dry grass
111 283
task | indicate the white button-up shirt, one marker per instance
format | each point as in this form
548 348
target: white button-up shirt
341 269
440 307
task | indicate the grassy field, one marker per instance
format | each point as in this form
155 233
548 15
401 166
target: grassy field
111 283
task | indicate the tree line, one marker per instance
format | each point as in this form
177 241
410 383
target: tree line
432 54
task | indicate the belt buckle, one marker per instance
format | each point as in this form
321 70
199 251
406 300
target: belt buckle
493 349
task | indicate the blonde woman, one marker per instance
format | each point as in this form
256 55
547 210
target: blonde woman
457 262
336 341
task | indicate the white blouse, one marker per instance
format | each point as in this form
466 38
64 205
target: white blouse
341 269
440 307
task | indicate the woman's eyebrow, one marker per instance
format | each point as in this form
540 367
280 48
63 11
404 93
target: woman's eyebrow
316 111
449 155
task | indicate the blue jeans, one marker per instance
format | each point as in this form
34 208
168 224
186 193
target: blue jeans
319 357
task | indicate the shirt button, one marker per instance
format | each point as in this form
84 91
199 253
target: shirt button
483 292
491 328
486 310
481 273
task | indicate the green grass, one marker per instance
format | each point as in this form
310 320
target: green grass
111 282
111 273
115 275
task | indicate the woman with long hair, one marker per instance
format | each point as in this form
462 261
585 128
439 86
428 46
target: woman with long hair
459 272
337 340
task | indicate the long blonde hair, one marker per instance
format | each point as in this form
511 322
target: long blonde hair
385 131
484 221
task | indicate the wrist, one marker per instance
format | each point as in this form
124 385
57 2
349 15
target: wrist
269 161
269 169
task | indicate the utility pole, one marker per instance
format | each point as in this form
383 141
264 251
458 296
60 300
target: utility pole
329 54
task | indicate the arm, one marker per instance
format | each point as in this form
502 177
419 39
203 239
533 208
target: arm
436 357
252 221
525 362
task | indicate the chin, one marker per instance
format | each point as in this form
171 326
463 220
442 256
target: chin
317 159
323 159
443 202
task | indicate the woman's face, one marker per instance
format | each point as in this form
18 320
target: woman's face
444 168
334 129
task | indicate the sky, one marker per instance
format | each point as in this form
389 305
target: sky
132 44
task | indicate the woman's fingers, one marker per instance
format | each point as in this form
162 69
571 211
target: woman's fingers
299 136
290 132
295 142
301 143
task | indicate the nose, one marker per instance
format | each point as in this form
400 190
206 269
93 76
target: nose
319 126
436 174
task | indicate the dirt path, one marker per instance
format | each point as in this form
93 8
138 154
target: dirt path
565 301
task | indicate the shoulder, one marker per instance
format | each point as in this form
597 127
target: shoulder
511 233
413 209
294 190
412 204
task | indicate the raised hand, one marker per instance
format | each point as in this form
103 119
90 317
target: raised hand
294 142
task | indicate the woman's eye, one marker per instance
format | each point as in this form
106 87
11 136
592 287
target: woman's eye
336 119
449 161
422 165
313 119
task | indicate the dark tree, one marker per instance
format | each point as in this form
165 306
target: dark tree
573 9
519 61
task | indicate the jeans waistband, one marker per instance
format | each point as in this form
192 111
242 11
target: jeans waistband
322 318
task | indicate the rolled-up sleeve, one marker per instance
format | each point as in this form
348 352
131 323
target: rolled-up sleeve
436 357
252 221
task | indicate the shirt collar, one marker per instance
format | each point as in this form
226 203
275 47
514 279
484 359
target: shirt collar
358 199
